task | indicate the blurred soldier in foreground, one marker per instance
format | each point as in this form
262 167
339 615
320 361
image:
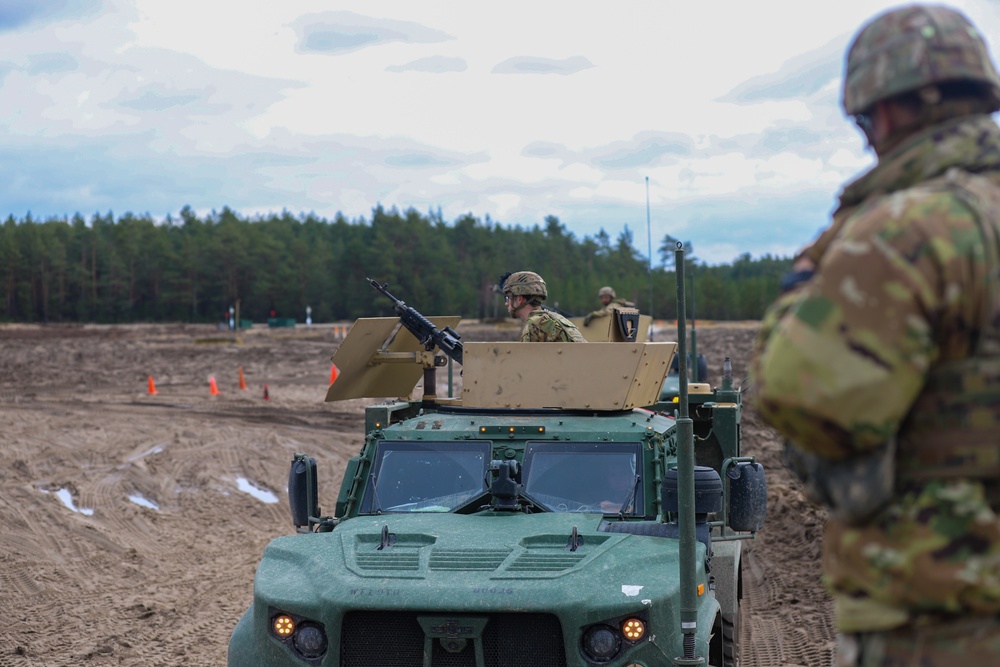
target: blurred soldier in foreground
523 293
608 298
881 361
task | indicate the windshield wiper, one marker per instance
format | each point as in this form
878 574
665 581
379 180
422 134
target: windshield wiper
375 500
478 502
629 499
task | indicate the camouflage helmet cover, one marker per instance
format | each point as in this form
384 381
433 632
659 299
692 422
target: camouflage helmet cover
912 47
606 291
526 283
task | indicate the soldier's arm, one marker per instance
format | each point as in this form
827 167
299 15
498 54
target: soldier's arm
589 317
839 361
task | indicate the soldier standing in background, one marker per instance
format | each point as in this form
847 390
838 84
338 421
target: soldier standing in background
523 293
608 298
880 362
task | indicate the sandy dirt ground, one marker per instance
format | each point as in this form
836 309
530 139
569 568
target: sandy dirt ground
132 523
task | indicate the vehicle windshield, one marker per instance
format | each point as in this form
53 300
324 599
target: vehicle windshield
584 477
425 476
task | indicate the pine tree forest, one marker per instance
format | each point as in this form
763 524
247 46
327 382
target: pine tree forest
191 269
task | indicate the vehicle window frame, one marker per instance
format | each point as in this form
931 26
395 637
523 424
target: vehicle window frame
534 447
385 447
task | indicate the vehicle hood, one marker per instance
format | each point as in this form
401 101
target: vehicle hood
466 562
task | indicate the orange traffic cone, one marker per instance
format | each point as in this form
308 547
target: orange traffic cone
243 381
152 386
213 388
267 396
334 373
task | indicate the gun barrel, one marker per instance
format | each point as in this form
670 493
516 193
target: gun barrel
383 289
422 328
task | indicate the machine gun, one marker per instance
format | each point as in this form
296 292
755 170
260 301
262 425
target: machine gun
421 327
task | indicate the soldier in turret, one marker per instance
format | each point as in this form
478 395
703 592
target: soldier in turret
608 299
881 361
523 293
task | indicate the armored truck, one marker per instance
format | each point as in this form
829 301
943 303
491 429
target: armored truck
542 517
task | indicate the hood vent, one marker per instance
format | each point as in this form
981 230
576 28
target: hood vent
468 559
545 562
397 560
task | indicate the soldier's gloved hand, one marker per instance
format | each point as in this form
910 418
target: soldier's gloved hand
802 271
793 279
588 319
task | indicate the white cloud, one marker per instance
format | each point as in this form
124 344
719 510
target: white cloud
516 111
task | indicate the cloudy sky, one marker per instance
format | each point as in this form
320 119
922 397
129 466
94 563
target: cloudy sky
513 110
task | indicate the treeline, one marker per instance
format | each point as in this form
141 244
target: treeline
135 269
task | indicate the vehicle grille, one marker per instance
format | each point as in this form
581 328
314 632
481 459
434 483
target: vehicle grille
395 639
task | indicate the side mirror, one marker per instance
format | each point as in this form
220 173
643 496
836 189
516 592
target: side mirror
747 495
303 495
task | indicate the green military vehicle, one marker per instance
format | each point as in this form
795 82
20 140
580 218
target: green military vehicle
542 518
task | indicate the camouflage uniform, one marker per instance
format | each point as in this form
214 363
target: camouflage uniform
540 326
893 345
546 326
604 311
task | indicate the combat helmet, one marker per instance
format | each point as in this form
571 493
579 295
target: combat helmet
606 291
912 47
526 283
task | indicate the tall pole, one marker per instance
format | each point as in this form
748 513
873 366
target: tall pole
649 240
685 484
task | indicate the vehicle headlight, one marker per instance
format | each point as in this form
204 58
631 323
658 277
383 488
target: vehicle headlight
310 640
305 637
634 629
601 643
612 638
283 625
